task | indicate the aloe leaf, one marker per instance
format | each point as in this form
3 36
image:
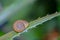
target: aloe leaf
32 24
8 35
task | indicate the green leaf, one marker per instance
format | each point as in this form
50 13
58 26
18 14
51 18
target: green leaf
32 24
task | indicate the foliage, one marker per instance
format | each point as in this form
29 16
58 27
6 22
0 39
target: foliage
43 16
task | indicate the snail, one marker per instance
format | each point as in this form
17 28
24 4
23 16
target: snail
20 25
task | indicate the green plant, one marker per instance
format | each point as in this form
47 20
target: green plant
41 14
31 25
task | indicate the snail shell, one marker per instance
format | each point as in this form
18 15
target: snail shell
20 25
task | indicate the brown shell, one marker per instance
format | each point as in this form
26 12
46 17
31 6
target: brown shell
20 25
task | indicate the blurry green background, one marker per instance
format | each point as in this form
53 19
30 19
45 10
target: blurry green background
30 12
